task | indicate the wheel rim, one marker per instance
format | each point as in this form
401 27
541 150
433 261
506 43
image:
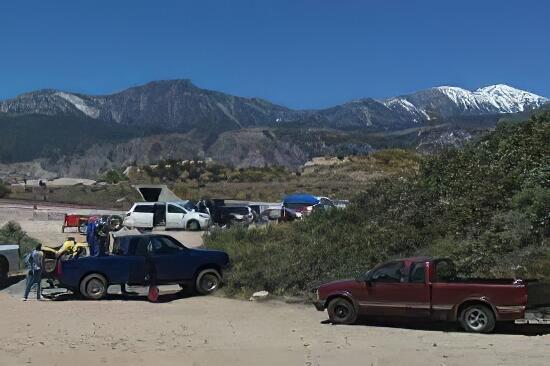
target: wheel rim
476 318
209 282
341 311
95 287
193 226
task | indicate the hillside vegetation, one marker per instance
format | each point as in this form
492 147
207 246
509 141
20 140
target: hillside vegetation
31 136
487 206
11 233
196 179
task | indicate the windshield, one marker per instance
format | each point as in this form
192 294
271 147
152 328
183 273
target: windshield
187 205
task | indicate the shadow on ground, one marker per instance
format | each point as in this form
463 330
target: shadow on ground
164 297
12 281
15 286
437 326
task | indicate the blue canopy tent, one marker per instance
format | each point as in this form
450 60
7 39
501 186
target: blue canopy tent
301 198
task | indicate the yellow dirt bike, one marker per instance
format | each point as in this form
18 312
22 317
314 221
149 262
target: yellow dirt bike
70 249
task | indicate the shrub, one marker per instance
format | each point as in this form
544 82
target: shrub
4 190
485 206
12 233
113 176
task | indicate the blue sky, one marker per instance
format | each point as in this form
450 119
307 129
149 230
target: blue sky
299 53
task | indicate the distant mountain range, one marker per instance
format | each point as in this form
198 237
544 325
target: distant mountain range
217 124
180 105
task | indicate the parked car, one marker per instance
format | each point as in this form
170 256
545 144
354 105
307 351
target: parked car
233 215
9 261
279 214
175 264
423 288
172 215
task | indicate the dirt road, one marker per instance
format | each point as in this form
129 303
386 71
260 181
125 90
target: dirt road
217 331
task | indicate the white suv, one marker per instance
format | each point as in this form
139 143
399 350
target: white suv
172 215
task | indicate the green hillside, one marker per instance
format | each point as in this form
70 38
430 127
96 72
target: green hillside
487 206
25 137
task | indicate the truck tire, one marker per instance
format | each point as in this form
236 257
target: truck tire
193 225
341 311
478 318
94 286
3 276
207 281
4 269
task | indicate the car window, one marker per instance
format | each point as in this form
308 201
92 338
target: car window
189 205
121 246
163 246
444 271
140 245
175 209
391 272
144 208
417 274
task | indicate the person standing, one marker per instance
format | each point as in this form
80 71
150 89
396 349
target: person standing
34 276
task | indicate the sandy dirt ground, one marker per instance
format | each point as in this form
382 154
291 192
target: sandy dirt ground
212 330
218 331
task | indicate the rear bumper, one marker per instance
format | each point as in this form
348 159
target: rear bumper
513 312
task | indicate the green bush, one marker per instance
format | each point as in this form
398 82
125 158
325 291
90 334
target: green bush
4 190
12 233
113 176
486 206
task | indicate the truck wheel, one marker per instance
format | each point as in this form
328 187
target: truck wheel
4 268
193 225
83 229
207 281
93 287
478 319
3 276
341 311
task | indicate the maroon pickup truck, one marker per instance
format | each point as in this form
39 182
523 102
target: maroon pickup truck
424 288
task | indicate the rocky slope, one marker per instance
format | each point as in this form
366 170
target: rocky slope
174 104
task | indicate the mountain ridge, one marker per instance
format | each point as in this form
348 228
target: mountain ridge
180 105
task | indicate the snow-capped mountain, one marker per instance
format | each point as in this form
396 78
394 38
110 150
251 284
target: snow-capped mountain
182 106
450 101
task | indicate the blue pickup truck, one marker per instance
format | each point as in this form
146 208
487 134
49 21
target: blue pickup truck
131 261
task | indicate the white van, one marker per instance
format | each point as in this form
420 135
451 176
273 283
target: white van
172 215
